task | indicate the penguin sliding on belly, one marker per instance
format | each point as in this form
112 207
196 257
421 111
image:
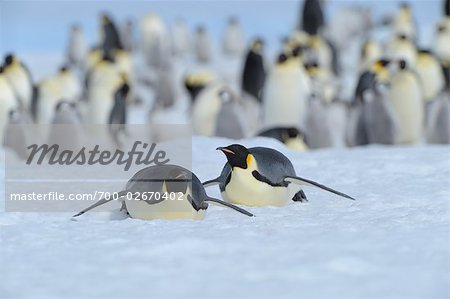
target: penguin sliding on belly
165 192
261 176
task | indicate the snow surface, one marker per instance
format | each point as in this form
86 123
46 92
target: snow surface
393 242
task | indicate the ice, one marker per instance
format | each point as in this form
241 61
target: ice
392 242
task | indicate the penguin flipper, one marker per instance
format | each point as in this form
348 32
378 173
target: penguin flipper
212 182
229 205
306 182
99 203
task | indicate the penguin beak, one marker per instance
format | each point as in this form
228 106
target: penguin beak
225 150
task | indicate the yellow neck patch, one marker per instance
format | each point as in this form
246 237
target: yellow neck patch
249 159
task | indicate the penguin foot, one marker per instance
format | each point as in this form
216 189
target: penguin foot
300 196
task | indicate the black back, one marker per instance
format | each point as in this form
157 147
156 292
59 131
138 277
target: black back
177 178
272 164
254 75
111 38
312 17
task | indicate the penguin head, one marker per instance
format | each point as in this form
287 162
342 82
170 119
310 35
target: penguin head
257 45
312 68
196 82
282 58
402 37
178 181
106 19
380 68
10 59
237 155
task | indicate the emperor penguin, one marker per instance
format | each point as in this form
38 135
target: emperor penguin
49 93
313 19
229 124
401 47
319 127
165 88
430 74
203 46
104 80
64 85
214 112
406 95
286 92
19 77
181 38
155 41
442 39
233 39
261 176
77 49
372 118
403 23
292 137
167 192
254 73
70 84
110 38
197 81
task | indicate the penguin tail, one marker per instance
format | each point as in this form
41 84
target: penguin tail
211 182
305 182
101 202
228 205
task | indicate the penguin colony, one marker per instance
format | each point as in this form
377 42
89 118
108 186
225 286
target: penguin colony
399 92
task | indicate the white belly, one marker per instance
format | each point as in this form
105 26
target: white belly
244 189
285 98
167 209
406 98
